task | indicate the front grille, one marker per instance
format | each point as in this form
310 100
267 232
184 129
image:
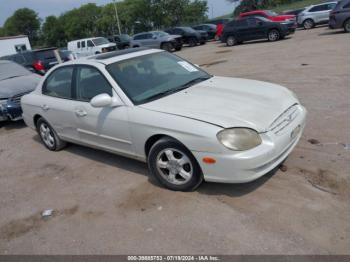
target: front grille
17 98
285 119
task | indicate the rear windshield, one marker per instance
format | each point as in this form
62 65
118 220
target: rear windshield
11 70
45 55
100 41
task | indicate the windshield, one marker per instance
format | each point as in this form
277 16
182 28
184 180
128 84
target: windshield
188 29
124 37
271 13
160 34
11 70
100 41
150 77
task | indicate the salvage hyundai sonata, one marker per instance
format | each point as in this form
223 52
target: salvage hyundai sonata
188 125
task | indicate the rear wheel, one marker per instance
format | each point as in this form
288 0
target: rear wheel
49 137
192 42
308 24
273 35
174 166
231 41
347 26
167 47
178 48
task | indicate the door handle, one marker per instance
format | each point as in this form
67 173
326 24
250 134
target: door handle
80 113
45 107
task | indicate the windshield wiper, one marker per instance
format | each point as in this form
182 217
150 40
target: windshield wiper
172 91
9 77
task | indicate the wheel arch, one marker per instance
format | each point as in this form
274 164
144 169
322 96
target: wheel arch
154 139
36 118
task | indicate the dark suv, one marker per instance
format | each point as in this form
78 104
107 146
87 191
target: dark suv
188 34
209 28
340 16
253 28
38 61
122 41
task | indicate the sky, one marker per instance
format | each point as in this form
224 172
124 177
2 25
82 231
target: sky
56 7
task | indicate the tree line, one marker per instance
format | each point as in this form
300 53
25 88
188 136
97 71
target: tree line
92 20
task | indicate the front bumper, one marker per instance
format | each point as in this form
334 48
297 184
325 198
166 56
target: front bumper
10 111
247 166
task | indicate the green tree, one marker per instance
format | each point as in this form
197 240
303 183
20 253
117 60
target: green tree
53 32
24 21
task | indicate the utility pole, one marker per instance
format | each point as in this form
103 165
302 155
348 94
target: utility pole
117 16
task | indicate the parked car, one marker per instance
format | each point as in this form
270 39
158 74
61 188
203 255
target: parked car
274 17
316 15
295 12
204 36
91 46
153 106
122 41
340 16
254 28
15 81
157 39
38 61
67 55
211 29
188 34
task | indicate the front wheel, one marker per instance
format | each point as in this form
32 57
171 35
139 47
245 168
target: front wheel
308 24
174 166
49 137
192 42
231 41
273 35
347 26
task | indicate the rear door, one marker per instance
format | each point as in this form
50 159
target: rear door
106 127
57 102
243 30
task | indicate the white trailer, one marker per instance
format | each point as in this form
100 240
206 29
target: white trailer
10 45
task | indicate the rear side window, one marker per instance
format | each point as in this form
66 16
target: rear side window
59 83
346 6
140 37
90 44
82 44
78 44
319 8
90 83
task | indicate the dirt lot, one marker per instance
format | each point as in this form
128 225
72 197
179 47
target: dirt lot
106 204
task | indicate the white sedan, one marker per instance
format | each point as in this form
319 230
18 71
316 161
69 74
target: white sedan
153 106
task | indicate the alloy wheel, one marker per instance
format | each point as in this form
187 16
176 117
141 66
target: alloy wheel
47 135
174 166
231 41
347 26
274 35
308 24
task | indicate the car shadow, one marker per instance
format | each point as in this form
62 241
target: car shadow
141 168
8 125
335 32
235 190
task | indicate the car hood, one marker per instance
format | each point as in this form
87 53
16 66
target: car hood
18 85
228 102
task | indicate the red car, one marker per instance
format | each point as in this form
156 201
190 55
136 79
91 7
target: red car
269 15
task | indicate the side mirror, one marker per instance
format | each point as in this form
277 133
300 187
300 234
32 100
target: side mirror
105 100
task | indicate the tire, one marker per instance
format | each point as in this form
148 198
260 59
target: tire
48 136
192 42
126 47
168 159
231 40
167 47
308 24
347 26
179 48
273 35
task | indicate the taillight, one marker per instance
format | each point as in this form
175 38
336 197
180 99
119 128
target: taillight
38 65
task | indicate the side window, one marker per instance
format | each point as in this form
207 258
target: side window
139 37
83 44
346 6
331 6
241 23
78 44
251 21
90 83
319 8
90 43
59 83
149 36
178 31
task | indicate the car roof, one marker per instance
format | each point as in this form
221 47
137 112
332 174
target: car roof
115 56
324 3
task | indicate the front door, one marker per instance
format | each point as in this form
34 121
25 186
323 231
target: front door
106 127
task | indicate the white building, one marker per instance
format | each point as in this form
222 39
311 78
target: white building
10 45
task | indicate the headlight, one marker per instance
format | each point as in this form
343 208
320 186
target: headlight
239 139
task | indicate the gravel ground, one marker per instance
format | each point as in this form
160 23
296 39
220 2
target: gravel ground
106 204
